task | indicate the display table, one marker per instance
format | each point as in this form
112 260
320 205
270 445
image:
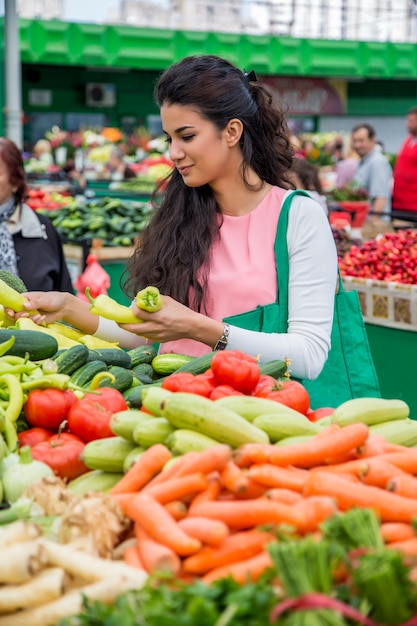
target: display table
390 314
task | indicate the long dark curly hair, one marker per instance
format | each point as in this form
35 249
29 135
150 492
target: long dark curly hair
173 251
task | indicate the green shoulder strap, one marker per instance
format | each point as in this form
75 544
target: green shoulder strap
281 256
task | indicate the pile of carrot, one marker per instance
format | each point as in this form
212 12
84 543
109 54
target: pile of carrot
212 514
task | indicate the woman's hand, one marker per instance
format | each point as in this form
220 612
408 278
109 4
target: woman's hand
57 305
175 321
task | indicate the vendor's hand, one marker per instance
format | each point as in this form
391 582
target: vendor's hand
174 321
51 306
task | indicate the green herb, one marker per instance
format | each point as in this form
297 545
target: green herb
351 191
357 528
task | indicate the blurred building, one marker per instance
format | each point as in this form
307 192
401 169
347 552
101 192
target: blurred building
41 9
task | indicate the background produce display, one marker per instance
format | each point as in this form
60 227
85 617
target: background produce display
116 222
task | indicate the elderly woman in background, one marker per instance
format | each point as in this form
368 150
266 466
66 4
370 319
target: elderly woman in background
30 247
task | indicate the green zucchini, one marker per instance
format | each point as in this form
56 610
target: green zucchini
143 369
114 356
192 412
276 368
85 374
37 345
169 363
183 440
148 433
107 454
96 480
142 354
70 359
123 423
123 379
131 458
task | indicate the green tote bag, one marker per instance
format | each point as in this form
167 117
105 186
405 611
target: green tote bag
349 371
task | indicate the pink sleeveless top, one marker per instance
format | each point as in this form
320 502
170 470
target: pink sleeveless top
242 269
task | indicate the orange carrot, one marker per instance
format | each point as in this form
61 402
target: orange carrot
155 556
407 547
287 496
389 506
159 524
314 510
172 470
131 556
275 476
140 473
396 531
235 548
248 570
178 487
210 493
209 531
123 499
378 472
176 509
240 514
207 461
250 453
233 478
317 450
403 485
377 444
406 460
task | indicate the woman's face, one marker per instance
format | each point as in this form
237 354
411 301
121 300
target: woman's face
201 153
6 189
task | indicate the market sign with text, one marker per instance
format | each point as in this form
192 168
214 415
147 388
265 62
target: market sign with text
309 96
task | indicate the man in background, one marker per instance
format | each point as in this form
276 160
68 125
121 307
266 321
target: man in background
404 196
374 172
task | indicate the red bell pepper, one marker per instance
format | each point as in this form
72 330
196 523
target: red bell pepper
48 408
62 453
32 436
89 417
237 369
221 391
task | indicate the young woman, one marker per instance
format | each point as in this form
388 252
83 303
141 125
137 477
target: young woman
29 245
210 245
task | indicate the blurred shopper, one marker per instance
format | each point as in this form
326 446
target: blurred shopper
404 195
346 167
374 172
118 167
42 151
29 245
305 176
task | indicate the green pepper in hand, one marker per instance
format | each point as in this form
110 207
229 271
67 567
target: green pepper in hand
106 307
149 299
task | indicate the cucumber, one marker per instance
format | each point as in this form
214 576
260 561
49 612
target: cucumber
169 363
107 454
142 354
133 396
37 345
96 480
85 374
123 423
147 433
70 359
123 379
143 369
198 365
183 440
276 368
193 412
114 356
285 424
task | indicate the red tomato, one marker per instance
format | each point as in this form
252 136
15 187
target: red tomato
237 369
62 454
317 414
288 392
35 435
200 384
48 408
224 390
89 417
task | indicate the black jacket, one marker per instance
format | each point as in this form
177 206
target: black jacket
40 258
